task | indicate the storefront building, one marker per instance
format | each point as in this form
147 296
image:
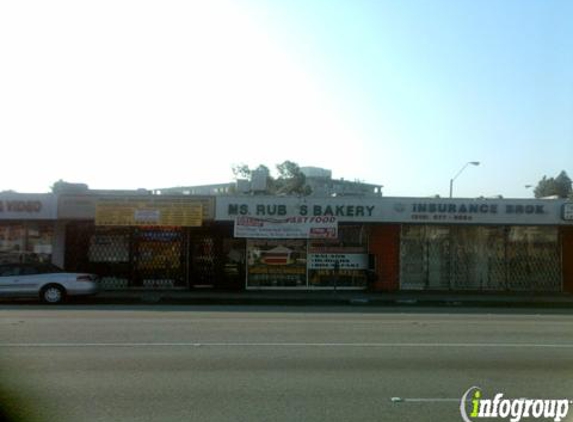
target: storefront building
27 227
141 240
145 241
391 244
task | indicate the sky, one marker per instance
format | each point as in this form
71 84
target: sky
122 94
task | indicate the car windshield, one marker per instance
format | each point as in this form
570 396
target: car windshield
49 268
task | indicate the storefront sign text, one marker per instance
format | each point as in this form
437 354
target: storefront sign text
400 210
148 213
281 210
319 227
345 261
448 208
21 206
465 212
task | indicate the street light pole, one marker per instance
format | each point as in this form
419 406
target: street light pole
473 163
530 187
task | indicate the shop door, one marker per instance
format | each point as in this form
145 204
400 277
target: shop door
413 258
438 261
233 259
202 261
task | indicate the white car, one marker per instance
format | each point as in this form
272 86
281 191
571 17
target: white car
46 281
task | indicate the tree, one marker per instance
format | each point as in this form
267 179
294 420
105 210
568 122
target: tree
559 186
242 171
563 185
290 181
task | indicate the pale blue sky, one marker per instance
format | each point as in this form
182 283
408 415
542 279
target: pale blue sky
122 94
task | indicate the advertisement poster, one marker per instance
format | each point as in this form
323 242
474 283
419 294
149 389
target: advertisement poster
286 228
276 263
327 261
350 254
152 212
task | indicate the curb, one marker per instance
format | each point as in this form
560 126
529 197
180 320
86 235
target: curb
159 298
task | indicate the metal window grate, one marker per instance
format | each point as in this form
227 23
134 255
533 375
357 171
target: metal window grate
480 258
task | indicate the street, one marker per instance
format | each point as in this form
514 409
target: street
193 363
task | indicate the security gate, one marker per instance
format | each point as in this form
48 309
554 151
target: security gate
158 257
479 258
150 257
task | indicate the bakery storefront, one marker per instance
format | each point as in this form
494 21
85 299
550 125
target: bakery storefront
391 244
27 227
294 243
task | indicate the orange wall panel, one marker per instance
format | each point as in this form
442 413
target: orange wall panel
385 246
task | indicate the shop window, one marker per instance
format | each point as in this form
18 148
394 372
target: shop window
533 258
26 242
342 262
276 263
12 242
479 258
106 247
39 241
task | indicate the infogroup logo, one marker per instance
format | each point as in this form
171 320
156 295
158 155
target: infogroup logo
474 406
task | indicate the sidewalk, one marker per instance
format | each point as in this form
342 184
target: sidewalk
341 297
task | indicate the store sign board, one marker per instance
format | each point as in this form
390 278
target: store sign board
287 228
146 216
301 210
129 212
16 206
327 261
400 210
83 206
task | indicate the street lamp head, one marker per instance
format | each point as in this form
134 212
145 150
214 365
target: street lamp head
473 163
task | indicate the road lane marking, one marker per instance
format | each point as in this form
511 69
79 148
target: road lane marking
425 400
428 323
292 344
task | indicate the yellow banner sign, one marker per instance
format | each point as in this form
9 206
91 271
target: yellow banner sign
152 212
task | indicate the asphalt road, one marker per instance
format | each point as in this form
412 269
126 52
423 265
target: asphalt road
182 363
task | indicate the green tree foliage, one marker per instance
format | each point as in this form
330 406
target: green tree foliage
242 171
563 185
559 186
290 181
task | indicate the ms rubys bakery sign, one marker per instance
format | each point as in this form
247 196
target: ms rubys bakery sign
302 210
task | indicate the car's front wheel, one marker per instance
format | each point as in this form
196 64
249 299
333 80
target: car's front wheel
53 294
